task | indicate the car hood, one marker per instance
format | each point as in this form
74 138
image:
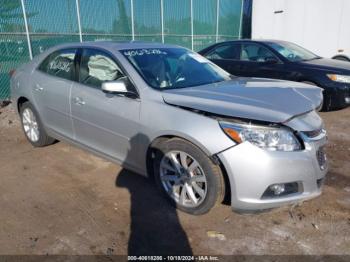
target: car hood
249 98
328 64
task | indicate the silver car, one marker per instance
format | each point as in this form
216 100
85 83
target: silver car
167 112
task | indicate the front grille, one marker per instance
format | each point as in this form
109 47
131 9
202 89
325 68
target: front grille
321 158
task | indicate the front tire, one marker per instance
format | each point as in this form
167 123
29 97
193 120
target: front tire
187 176
33 127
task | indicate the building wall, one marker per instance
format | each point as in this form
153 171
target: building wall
321 26
190 23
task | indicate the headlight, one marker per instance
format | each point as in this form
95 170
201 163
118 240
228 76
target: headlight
339 78
270 138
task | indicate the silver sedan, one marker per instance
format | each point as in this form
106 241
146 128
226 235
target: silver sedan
167 112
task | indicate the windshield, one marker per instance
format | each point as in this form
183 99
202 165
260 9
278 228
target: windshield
165 68
293 52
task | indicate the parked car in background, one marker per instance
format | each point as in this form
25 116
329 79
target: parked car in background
287 61
167 112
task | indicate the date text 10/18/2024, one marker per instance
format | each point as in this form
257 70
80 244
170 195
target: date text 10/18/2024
173 258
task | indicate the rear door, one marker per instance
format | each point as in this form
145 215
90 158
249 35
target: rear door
227 57
107 123
52 84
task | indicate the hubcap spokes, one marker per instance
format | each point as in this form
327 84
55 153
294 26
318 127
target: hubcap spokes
183 178
30 125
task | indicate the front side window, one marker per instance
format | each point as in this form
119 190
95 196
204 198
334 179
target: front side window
293 52
168 68
230 51
97 67
60 64
256 53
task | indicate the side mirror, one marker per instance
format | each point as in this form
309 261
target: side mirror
118 87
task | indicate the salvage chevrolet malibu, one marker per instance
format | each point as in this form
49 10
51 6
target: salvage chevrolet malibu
167 112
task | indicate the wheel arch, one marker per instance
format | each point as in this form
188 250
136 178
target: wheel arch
341 57
20 101
159 139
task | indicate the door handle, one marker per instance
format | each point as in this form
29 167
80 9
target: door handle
79 101
38 88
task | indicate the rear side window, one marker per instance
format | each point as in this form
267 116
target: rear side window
97 67
229 51
60 64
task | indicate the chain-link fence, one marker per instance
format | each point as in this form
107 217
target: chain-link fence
28 27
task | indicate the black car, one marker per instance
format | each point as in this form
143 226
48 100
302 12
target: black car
287 61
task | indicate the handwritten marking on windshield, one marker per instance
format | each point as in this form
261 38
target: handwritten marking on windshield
141 52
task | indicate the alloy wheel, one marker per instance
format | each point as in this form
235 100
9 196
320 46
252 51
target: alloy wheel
30 125
183 178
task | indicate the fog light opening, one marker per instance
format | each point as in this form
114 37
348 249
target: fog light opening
277 189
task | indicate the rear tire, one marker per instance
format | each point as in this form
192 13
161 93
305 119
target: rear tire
188 178
33 127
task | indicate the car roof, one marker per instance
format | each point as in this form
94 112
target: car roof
261 41
255 41
115 45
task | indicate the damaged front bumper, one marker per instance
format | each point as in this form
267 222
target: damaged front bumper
252 171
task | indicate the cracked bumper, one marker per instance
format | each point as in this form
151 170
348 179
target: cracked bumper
252 170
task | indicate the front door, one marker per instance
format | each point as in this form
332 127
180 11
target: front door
258 61
227 56
107 123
